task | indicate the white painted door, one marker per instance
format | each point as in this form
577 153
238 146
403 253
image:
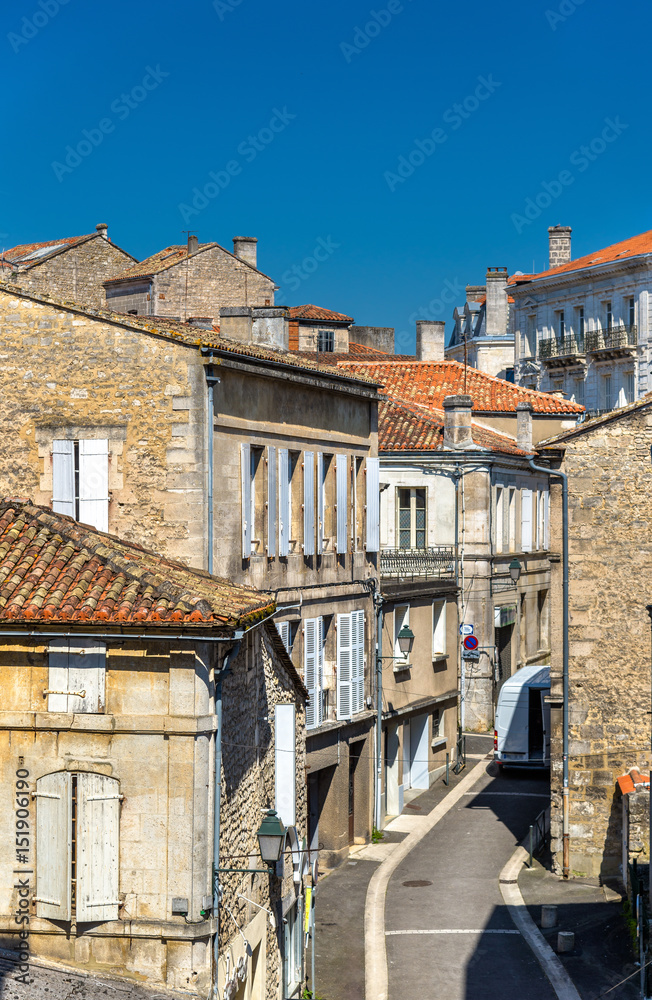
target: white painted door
407 755
419 751
391 772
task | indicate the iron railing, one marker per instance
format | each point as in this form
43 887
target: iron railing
613 339
561 347
436 560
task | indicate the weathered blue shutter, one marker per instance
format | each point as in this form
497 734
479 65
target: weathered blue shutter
53 845
357 661
98 820
342 483
63 477
94 483
526 520
284 525
308 503
373 505
245 475
320 502
271 501
344 667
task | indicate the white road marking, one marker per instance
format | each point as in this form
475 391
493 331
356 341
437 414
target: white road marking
486 930
521 795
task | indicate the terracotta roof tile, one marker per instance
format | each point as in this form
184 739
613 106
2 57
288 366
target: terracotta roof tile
14 254
633 781
168 257
317 313
427 383
632 247
404 426
54 569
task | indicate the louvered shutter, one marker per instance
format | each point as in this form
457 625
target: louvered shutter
357 661
526 520
320 671
53 845
283 629
245 476
320 502
271 501
308 503
344 667
546 519
98 820
284 525
63 477
311 669
94 483
373 505
354 506
342 487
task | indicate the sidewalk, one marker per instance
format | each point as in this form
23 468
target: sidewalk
603 953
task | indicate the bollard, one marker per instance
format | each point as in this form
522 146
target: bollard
531 841
565 942
548 915
447 767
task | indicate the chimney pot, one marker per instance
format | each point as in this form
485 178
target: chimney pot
430 340
497 307
103 230
559 245
193 243
457 422
524 426
245 248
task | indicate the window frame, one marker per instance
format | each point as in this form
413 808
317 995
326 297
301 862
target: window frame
325 341
413 528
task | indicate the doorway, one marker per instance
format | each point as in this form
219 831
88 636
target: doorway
419 751
354 756
392 805
504 651
535 724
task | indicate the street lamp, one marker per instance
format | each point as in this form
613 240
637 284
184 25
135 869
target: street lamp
271 836
405 640
515 570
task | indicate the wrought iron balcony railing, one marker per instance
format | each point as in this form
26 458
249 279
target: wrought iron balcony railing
616 338
561 347
428 562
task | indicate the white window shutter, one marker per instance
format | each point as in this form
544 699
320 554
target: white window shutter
285 763
526 520
98 822
53 845
311 632
320 502
373 505
63 477
308 503
283 629
58 675
354 505
357 661
342 487
284 525
94 483
86 672
546 519
320 670
245 475
344 666
271 501
439 628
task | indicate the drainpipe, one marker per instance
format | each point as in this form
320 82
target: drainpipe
378 600
565 790
211 381
219 677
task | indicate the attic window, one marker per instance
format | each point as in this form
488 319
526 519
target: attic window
132 312
325 341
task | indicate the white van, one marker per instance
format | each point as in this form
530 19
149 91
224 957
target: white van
522 733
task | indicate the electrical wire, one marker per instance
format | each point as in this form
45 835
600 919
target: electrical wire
626 979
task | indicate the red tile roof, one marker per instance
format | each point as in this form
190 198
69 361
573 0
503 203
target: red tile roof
14 254
169 257
427 383
633 781
317 313
404 426
633 247
53 569
362 350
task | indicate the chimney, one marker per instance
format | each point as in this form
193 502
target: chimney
457 422
430 339
235 323
244 247
496 312
475 293
103 230
524 426
559 245
378 338
193 243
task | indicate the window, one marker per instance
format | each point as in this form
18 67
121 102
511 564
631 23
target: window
542 608
77 846
631 313
629 387
324 508
342 502
511 520
609 316
558 386
438 729
561 325
249 463
287 632
293 949
509 375
272 500
529 337
578 390
543 530
284 501
76 676
580 322
80 480
438 629
411 518
325 340
308 503
526 520
285 764
606 393
401 618
313 670
350 664
500 517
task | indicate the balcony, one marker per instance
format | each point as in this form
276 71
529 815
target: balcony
559 351
618 340
425 563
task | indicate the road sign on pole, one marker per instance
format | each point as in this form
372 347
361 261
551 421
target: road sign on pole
466 629
470 642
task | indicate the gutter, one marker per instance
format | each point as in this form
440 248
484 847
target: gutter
122 636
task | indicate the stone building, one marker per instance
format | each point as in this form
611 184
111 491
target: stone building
73 268
114 665
173 437
583 326
607 461
484 331
194 280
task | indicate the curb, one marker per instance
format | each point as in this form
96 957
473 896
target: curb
560 981
376 972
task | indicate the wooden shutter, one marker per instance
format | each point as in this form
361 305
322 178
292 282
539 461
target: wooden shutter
98 820
308 503
76 675
320 671
53 845
342 487
311 635
245 476
344 667
354 505
373 505
285 763
546 519
439 628
63 477
320 502
94 483
357 661
284 525
58 675
283 629
271 501
526 520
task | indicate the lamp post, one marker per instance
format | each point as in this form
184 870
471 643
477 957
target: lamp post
271 837
405 641
515 570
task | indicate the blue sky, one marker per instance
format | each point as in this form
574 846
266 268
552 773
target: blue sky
332 126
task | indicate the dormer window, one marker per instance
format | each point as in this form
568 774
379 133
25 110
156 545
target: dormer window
325 341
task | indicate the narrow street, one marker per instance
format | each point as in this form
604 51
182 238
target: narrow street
448 933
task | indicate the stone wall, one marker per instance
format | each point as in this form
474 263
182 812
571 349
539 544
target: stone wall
77 274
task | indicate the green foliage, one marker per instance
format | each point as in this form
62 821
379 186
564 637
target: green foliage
376 835
630 923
